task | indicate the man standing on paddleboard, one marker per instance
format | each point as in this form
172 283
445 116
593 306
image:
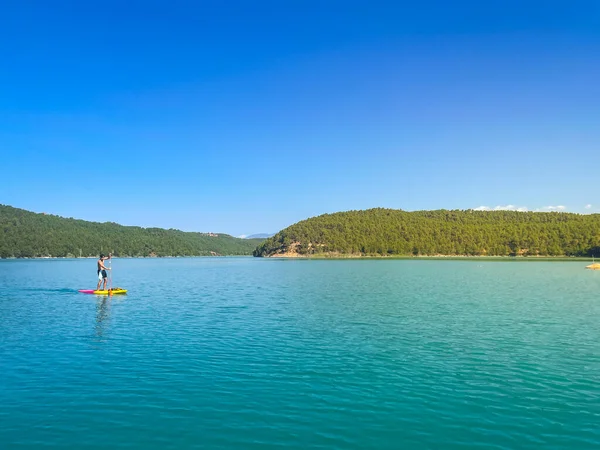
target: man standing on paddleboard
102 271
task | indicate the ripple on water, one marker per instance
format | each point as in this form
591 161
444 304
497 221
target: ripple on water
247 353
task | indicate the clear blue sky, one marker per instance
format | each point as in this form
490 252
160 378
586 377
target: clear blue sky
245 117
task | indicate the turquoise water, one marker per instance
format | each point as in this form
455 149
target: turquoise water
259 354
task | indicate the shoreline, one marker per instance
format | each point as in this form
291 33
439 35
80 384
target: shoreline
434 257
333 257
13 258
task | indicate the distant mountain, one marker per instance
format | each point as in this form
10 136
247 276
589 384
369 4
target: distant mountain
28 234
387 232
260 236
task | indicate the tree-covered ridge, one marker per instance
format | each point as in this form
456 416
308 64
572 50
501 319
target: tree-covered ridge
473 233
27 234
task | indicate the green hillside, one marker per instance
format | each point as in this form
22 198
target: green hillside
388 232
27 234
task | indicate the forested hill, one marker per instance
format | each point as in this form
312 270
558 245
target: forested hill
27 234
477 233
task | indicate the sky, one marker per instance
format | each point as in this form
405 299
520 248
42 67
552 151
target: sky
245 117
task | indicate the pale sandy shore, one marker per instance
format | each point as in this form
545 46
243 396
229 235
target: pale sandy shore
432 257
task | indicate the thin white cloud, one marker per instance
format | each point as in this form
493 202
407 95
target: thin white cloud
509 207
558 208
501 208
588 206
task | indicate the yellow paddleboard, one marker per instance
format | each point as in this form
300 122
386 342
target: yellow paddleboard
114 291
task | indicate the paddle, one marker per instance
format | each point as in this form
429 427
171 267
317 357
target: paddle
110 276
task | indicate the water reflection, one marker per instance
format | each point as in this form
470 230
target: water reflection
102 315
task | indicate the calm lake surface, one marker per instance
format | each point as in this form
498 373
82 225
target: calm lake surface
262 353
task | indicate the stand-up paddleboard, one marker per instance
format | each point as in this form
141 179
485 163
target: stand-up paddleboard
113 291
110 290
